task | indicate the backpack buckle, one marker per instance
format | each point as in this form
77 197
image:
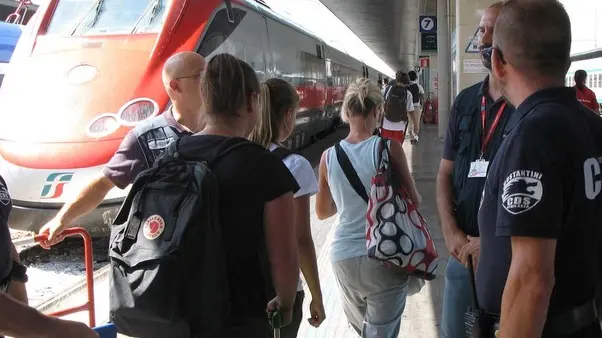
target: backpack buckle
134 226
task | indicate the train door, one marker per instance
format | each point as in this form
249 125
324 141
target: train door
242 33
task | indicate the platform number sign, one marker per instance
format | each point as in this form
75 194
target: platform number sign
428 24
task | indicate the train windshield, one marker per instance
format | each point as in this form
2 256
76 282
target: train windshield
102 17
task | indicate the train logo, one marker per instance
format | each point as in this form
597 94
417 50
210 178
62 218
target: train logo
55 184
153 227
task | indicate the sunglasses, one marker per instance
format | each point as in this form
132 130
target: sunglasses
487 52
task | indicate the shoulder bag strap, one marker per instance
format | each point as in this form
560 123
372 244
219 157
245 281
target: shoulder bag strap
350 172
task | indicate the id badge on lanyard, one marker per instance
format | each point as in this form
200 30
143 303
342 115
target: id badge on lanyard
478 168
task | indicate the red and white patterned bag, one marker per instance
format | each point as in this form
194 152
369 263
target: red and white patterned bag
396 232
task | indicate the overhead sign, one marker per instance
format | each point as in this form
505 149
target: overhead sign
428 24
473 44
428 41
424 62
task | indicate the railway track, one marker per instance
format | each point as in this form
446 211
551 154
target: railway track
57 276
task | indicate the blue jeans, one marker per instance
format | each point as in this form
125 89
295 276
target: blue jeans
457 297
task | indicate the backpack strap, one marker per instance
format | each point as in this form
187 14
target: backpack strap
350 172
283 153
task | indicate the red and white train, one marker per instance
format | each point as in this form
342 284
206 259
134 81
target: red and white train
86 71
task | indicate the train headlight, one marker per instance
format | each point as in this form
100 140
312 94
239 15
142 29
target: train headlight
137 110
103 125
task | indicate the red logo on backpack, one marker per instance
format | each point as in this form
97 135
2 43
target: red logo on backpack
153 227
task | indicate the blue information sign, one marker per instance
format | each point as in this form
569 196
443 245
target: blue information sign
428 24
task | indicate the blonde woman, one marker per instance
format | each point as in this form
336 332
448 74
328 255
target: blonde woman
373 295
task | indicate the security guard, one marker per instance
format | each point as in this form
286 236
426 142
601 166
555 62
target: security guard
16 318
542 205
474 134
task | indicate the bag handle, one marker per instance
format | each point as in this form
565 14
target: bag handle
350 172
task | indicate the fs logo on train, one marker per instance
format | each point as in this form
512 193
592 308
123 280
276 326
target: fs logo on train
153 227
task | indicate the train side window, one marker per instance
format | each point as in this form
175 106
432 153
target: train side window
219 31
600 80
246 38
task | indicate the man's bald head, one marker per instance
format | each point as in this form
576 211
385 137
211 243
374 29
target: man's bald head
534 36
182 81
183 65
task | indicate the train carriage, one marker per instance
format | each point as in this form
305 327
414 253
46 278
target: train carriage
87 71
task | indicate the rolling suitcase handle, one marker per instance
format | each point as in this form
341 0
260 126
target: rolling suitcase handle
88 262
275 319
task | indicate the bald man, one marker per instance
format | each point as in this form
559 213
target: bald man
181 78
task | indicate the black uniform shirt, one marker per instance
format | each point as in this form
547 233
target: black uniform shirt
5 241
462 146
545 182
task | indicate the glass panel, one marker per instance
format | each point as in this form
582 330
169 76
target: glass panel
89 17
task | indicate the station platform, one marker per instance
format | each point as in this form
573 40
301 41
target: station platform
422 314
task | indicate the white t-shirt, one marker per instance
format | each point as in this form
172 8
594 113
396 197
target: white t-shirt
303 172
398 126
421 90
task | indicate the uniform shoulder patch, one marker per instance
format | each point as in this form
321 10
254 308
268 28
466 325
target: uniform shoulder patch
153 227
522 191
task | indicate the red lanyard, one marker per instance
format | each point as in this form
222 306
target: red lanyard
487 136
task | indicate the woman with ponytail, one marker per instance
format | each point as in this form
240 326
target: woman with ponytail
256 210
279 104
585 95
373 296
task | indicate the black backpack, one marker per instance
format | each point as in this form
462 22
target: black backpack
415 90
396 104
168 262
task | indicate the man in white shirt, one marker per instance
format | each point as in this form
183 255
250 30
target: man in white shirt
396 130
415 118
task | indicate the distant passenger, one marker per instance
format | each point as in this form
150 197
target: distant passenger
418 99
373 296
397 130
584 94
380 84
256 204
181 78
280 101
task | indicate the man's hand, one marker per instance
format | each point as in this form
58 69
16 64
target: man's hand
471 249
316 309
54 228
287 313
455 241
68 329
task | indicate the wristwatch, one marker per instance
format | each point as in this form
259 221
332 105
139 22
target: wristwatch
18 273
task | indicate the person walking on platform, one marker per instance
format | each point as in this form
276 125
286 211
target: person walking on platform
418 99
279 104
256 207
181 78
540 217
398 106
474 133
16 318
584 94
373 296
